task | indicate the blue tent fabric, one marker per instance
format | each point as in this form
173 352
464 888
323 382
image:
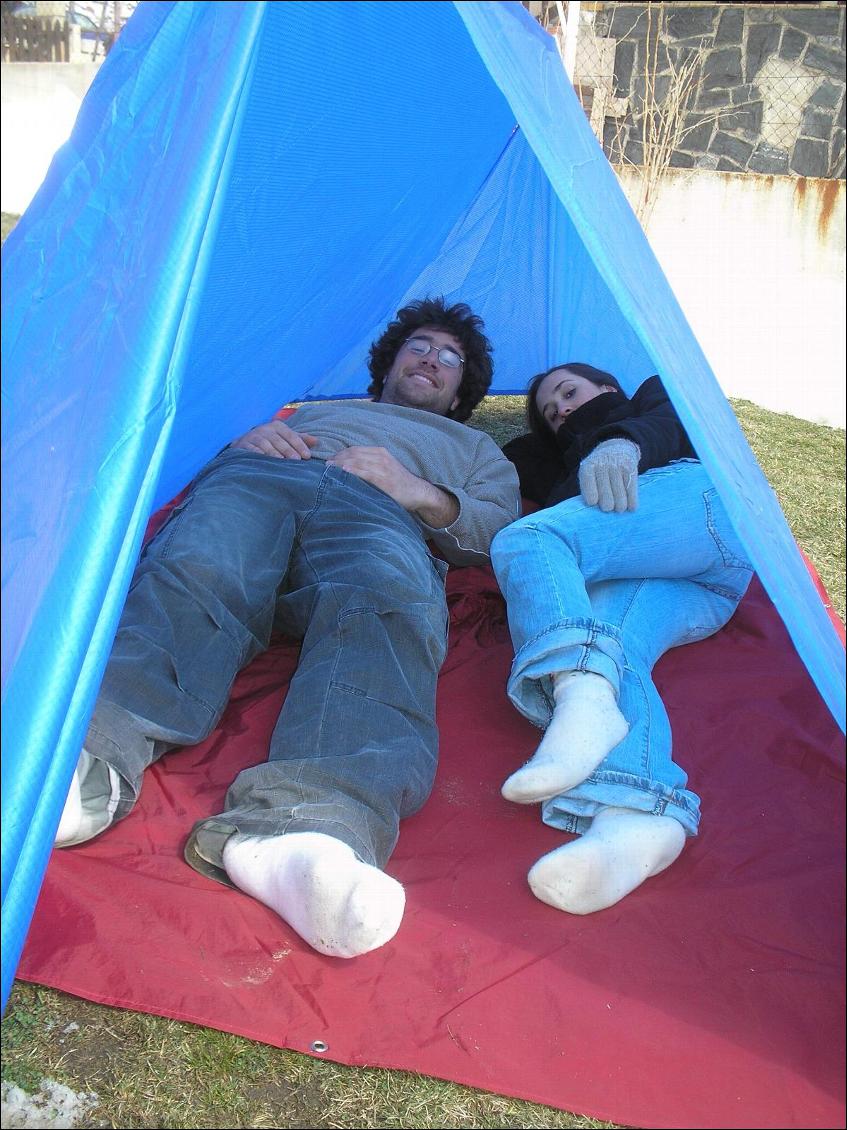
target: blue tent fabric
250 192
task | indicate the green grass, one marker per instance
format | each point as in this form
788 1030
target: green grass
147 1071
151 1072
804 463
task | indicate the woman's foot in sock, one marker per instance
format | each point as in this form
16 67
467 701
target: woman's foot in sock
620 850
585 727
341 906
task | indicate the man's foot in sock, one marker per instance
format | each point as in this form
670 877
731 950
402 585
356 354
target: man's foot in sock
585 727
619 851
91 802
341 906
71 818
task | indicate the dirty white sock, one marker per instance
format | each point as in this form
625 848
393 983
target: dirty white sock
585 727
619 851
91 803
71 818
341 906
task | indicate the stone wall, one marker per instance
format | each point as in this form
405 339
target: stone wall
769 93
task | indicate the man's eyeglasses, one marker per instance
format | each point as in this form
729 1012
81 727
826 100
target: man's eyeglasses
421 346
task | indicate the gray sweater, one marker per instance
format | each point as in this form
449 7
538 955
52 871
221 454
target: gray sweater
459 459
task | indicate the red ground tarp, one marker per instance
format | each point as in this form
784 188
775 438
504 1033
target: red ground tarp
711 997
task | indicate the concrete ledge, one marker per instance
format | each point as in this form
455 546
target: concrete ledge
757 265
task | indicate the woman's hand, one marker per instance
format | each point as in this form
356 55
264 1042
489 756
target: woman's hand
608 476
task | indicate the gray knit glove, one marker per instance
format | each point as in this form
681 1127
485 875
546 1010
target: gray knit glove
608 476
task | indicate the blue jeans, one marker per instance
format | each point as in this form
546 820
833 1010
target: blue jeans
610 594
262 545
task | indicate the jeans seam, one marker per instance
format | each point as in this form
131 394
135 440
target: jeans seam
661 800
729 558
541 544
647 717
644 751
300 526
567 624
667 795
169 527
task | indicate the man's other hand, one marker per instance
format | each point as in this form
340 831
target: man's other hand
277 439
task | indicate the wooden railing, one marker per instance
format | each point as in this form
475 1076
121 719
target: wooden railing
28 39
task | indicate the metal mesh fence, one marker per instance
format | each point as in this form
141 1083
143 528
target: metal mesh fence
756 87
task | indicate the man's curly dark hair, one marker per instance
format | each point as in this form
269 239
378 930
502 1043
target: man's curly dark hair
457 320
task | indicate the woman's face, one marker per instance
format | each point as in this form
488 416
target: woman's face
561 392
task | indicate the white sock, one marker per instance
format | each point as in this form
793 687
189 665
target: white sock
585 727
341 906
619 851
71 819
91 803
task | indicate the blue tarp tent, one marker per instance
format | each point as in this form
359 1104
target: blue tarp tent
250 192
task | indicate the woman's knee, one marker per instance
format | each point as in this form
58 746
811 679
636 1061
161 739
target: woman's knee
557 523
514 537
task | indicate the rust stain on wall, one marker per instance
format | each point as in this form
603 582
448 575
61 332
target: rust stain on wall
827 193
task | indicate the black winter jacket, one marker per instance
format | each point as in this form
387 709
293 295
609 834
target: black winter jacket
548 472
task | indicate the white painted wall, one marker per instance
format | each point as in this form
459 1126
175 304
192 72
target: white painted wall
39 103
757 265
756 262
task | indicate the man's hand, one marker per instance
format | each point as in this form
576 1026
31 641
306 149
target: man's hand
277 439
378 467
608 476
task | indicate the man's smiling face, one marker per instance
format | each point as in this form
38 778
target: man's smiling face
417 380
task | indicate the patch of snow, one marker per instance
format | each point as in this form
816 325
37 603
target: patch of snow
54 1107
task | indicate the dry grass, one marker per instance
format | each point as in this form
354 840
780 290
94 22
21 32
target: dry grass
7 222
804 463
